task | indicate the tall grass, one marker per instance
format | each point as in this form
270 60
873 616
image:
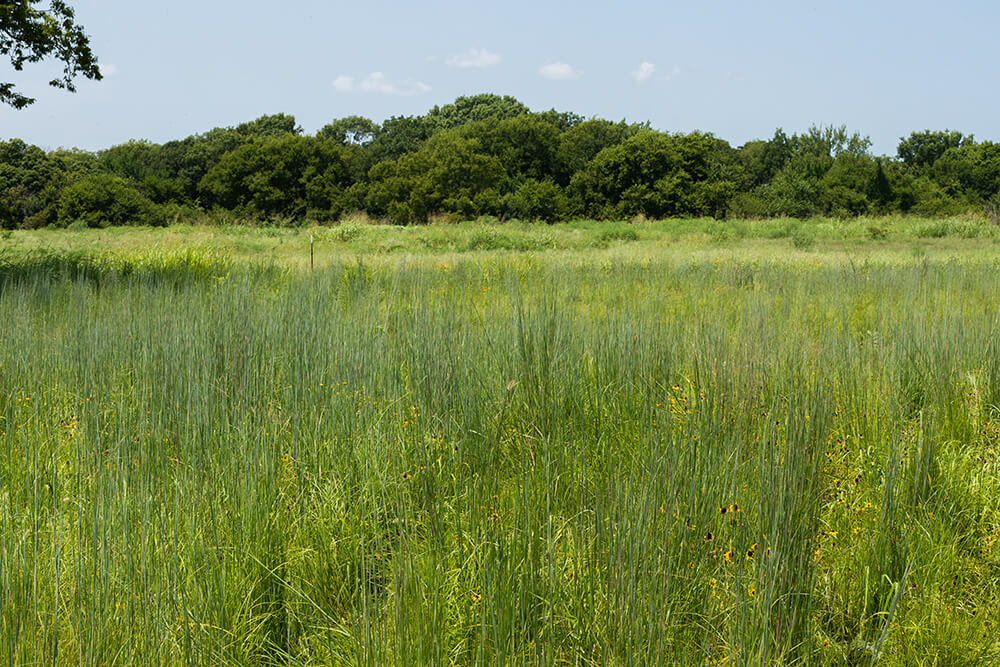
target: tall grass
498 460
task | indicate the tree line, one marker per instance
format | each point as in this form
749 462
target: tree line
489 155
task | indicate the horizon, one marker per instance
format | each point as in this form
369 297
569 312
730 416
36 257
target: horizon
736 72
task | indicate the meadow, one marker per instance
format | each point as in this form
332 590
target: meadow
680 442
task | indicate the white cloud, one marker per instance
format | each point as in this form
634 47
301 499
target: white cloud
473 58
107 70
560 71
644 72
343 83
377 83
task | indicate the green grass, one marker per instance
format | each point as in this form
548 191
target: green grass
499 445
859 239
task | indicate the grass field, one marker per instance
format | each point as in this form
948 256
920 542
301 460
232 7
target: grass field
663 443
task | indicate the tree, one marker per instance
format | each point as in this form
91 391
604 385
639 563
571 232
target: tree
102 200
526 145
28 185
469 109
826 141
29 34
536 200
923 149
581 143
288 175
350 131
448 174
654 174
761 160
400 135
274 125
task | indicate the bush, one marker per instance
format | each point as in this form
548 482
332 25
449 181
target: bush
348 231
102 200
803 238
730 230
619 234
491 239
536 200
877 232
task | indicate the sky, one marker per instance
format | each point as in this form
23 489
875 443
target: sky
883 68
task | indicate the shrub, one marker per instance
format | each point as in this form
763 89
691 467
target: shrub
537 200
102 200
619 234
348 231
490 239
877 232
803 238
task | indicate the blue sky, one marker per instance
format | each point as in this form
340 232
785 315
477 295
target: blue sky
736 69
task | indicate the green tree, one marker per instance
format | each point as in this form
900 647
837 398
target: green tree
269 125
796 189
829 141
25 171
101 199
186 161
972 170
400 135
287 175
851 184
579 144
350 131
654 174
31 182
526 145
761 160
449 174
472 108
536 200
923 149
29 34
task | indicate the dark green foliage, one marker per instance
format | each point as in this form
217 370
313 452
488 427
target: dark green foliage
269 126
536 200
922 149
27 192
474 108
579 144
29 35
146 165
101 200
287 175
761 160
490 155
448 175
400 135
825 171
972 169
352 130
186 162
526 145
652 174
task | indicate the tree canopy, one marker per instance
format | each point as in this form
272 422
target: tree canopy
29 34
488 155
